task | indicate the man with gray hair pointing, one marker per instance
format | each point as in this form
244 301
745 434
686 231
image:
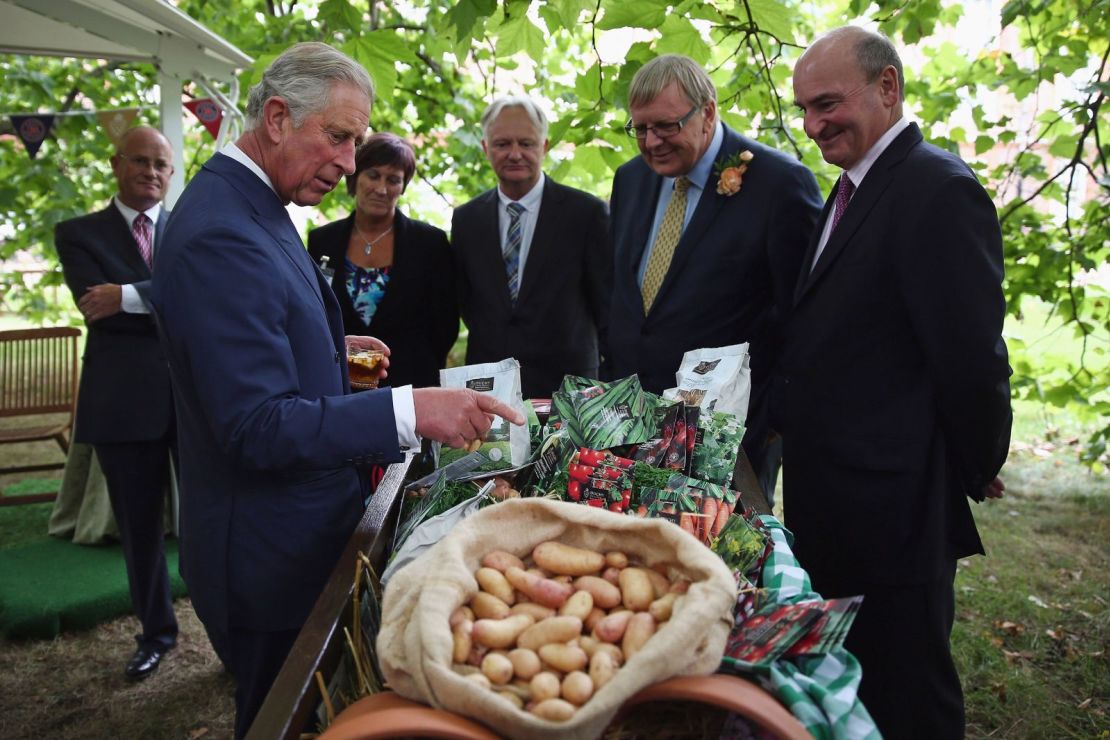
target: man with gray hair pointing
272 441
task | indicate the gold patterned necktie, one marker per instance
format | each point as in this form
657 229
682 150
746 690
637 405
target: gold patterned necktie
670 231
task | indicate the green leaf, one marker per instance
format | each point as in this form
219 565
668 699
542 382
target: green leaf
520 34
632 14
379 51
340 14
773 17
680 37
464 16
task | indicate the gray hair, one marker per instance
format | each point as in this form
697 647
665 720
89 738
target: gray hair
874 53
525 103
655 76
304 75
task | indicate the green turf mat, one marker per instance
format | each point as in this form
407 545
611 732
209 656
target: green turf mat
51 586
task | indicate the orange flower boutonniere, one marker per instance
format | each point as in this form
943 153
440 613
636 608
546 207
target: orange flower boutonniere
731 172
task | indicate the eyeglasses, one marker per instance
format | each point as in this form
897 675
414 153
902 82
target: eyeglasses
662 129
161 166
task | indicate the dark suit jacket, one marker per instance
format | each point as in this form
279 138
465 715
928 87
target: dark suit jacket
269 435
125 384
893 394
732 273
418 316
557 326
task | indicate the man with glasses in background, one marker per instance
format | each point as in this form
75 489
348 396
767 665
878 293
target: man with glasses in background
532 259
708 231
124 407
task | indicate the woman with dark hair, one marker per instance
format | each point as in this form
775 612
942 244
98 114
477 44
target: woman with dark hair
393 276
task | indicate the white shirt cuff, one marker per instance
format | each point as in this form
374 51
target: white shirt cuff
130 302
404 415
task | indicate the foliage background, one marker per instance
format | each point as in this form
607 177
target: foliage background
1041 148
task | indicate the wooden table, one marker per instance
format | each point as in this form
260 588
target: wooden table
295 696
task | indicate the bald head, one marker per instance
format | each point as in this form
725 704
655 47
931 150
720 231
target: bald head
142 164
848 85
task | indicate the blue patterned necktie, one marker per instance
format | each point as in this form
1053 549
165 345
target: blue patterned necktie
511 252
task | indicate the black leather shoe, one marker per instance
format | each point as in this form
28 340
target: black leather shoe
144 661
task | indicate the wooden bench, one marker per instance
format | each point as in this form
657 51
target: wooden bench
38 377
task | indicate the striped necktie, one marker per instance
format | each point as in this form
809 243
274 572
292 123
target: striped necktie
844 191
670 231
511 252
140 229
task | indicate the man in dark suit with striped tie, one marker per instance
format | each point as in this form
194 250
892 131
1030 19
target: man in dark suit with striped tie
125 407
533 260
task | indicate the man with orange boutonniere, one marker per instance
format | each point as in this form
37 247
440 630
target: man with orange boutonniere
708 230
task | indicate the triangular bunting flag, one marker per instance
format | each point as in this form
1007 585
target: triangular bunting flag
208 113
116 122
32 130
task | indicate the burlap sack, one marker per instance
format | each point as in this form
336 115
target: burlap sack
415 645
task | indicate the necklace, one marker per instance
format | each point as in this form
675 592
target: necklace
371 242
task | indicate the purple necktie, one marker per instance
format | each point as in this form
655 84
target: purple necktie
843 194
140 229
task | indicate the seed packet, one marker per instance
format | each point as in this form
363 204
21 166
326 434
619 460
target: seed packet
766 635
600 479
716 447
654 450
690 435
739 544
506 445
714 379
712 504
828 632
602 415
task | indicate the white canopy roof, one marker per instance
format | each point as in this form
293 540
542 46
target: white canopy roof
151 31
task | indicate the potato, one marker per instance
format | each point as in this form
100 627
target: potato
553 629
501 560
555 710
538 612
637 592
480 679
545 686
461 635
596 615
613 575
488 606
612 627
606 595
501 633
497 668
567 560
580 604
493 582
526 663
680 586
662 607
476 655
512 698
640 628
563 579
612 650
541 590
463 612
616 559
602 668
659 583
564 658
577 688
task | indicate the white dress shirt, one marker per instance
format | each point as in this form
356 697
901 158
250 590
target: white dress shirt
528 217
130 302
856 175
404 410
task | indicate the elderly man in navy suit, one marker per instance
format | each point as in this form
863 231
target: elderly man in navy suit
892 394
704 258
272 440
125 408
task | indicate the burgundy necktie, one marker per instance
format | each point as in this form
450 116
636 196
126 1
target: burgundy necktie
140 229
843 194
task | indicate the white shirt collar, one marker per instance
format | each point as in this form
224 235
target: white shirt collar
859 171
130 214
230 150
530 201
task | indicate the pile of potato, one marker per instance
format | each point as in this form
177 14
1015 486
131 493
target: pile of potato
548 633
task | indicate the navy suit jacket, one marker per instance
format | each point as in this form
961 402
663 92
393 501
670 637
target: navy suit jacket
732 275
893 394
125 384
418 316
269 434
557 326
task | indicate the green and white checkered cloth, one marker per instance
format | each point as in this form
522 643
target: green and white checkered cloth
820 690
